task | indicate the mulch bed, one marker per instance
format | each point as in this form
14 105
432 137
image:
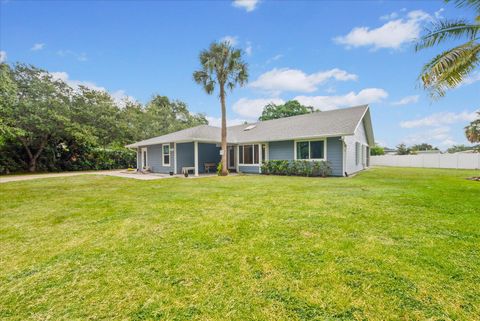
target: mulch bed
474 178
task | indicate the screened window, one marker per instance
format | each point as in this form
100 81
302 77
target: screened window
309 150
248 154
264 152
166 154
357 153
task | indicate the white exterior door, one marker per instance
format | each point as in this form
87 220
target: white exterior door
144 158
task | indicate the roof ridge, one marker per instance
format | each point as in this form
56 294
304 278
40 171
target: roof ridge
303 115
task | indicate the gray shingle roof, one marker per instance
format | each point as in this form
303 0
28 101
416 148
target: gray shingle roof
338 122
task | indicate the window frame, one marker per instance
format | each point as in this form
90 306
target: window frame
242 154
324 140
144 158
165 154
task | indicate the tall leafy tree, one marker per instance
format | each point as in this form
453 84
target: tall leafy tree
40 112
402 149
423 146
448 69
221 66
472 131
290 108
377 150
459 148
8 97
96 116
164 116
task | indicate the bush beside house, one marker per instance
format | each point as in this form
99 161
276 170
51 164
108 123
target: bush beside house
297 168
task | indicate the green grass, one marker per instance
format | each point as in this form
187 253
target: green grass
389 243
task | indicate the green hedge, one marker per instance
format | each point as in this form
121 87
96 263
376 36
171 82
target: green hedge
60 157
297 168
101 159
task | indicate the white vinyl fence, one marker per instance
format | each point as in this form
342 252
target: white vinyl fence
458 161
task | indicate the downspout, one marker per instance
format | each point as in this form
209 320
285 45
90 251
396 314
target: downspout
344 157
175 158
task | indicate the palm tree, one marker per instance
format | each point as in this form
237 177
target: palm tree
221 65
451 67
472 131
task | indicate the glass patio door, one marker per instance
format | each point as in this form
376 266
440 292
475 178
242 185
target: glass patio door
231 157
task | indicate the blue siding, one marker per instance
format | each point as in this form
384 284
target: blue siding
185 157
335 155
282 150
210 153
248 169
207 153
154 159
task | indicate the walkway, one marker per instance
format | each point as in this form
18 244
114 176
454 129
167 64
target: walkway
116 173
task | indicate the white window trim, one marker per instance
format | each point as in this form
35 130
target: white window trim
267 156
144 149
169 155
311 140
253 154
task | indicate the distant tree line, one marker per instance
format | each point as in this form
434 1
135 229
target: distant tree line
290 108
46 125
402 149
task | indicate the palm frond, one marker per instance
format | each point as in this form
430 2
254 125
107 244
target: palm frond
475 4
450 68
444 30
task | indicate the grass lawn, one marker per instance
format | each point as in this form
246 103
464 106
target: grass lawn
389 243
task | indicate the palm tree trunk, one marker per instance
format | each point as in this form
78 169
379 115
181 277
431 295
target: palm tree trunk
224 131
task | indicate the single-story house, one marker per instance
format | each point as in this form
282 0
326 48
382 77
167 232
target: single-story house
342 137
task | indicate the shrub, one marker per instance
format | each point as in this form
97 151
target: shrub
70 158
296 168
219 169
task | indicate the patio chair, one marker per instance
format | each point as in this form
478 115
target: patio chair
209 166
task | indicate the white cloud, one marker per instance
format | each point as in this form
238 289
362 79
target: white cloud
63 76
248 49
37 46
217 121
439 119
252 108
285 79
365 96
389 16
406 100
120 97
3 56
392 34
274 58
248 5
474 77
330 90
232 40
79 56
438 13
440 137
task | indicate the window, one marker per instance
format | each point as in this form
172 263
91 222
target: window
363 155
144 157
357 153
166 154
310 150
248 154
264 152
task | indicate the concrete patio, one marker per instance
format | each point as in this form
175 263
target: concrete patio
116 173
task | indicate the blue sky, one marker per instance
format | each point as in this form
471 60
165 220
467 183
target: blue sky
325 54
